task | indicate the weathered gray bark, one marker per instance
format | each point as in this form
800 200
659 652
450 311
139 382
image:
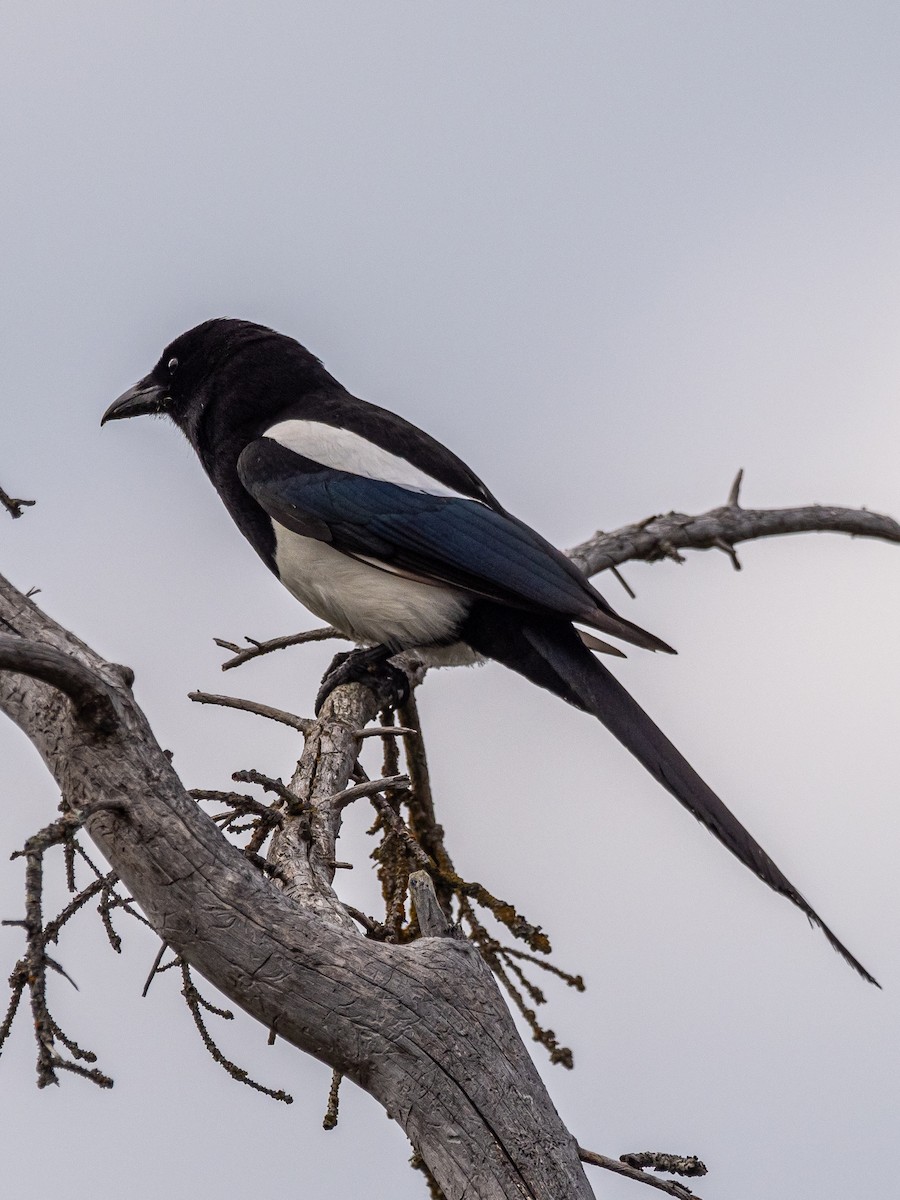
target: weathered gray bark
723 528
421 1027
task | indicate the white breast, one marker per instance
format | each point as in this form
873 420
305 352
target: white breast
365 602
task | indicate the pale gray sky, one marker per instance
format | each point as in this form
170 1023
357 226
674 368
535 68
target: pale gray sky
609 252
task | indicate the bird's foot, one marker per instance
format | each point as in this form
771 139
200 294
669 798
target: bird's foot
371 668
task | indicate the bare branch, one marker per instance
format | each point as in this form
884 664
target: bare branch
12 506
155 969
443 1036
734 494
31 970
330 1120
302 724
670 1186
371 787
196 1004
385 731
665 536
669 1164
255 649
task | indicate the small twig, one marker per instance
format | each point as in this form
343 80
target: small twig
31 970
303 724
489 950
85 857
103 908
385 731
154 970
240 805
72 1046
669 1164
14 507
91 1073
664 536
397 825
369 788
17 981
330 1119
196 1003
734 495
255 649
727 548
374 929
273 870
60 970
52 928
617 574
293 802
572 981
69 853
670 1186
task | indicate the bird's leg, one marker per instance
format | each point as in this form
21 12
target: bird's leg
370 667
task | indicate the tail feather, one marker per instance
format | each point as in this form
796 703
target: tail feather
549 652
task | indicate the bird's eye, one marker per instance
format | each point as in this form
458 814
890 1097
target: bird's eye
172 366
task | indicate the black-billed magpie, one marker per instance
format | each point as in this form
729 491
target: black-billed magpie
383 532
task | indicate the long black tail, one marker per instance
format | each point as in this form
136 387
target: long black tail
549 652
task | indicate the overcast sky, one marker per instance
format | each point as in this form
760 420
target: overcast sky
609 252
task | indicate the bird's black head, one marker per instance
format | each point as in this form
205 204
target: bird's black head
175 385
179 384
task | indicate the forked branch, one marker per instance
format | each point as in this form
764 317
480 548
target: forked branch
723 528
443 1042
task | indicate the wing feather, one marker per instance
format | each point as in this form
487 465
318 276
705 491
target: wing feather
438 539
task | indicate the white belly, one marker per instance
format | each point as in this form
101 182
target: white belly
365 602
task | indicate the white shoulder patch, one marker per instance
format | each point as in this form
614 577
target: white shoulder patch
346 451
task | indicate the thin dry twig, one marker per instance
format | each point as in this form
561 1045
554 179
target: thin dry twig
14 507
385 731
669 1164
302 724
670 1186
31 971
294 803
239 805
330 1120
197 1004
734 492
665 536
371 788
395 824
155 969
255 649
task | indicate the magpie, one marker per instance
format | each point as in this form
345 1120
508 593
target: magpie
383 532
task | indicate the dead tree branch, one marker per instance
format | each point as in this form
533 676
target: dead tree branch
420 1026
255 649
722 529
14 507
301 724
619 1166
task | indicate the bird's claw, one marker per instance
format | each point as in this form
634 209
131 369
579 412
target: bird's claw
371 668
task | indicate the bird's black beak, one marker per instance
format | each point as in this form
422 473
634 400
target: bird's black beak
147 396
